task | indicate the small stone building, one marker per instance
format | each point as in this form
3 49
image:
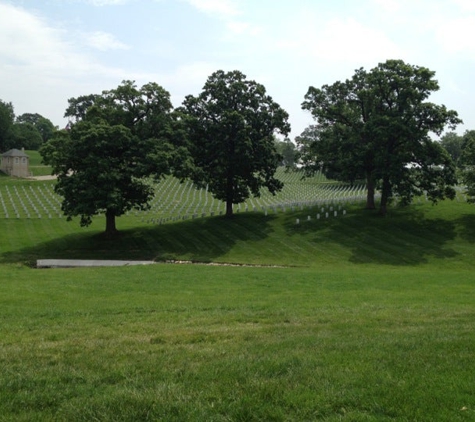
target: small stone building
15 163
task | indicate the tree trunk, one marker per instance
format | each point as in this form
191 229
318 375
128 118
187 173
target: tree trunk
110 223
229 208
370 205
385 195
229 191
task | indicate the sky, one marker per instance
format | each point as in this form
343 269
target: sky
53 50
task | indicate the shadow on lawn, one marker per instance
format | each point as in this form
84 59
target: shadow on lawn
467 227
403 237
202 240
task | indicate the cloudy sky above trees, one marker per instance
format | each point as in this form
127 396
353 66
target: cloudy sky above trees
51 50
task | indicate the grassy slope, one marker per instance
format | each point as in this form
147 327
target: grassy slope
37 168
373 322
441 236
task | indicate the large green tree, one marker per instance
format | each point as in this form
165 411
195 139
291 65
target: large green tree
453 143
288 151
25 135
231 127
7 117
380 121
78 107
43 125
467 161
118 139
314 143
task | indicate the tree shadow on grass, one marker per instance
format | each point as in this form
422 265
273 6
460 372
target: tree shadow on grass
203 240
404 237
467 227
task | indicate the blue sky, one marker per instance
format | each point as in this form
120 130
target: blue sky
52 50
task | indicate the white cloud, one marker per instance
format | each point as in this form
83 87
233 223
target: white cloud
457 35
468 5
27 42
227 11
288 47
221 8
242 28
454 87
186 79
348 40
342 40
40 68
104 41
194 74
107 2
25 39
391 6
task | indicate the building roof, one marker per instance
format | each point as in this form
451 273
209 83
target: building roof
14 153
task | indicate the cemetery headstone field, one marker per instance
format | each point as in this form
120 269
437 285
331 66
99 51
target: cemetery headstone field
302 307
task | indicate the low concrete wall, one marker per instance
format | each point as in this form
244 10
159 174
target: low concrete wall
69 263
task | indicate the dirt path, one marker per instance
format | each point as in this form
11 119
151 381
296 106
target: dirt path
43 178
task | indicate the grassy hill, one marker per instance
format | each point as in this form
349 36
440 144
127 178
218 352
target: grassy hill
37 168
353 318
439 236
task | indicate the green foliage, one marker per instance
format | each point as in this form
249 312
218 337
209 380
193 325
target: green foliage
231 127
97 170
118 139
78 107
27 131
320 152
379 121
468 164
26 135
43 125
288 151
307 154
7 117
453 143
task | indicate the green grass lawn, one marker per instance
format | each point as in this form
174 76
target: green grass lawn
35 157
367 319
186 343
37 168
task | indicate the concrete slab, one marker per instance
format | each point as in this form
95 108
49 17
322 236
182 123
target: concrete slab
69 263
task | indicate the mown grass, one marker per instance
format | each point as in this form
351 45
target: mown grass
36 166
440 236
367 319
192 343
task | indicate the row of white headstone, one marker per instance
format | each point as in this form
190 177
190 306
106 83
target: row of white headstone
325 210
329 207
27 202
179 200
170 192
323 215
